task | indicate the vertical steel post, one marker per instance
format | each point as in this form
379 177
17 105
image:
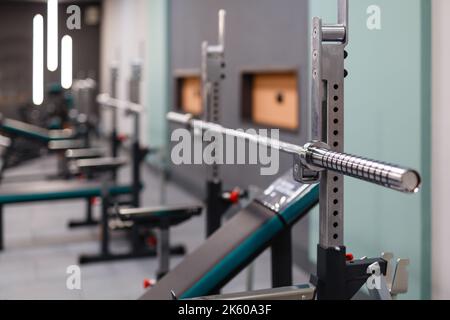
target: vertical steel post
327 100
135 83
213 73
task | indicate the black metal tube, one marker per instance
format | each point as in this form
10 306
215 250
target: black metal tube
281 259
136 174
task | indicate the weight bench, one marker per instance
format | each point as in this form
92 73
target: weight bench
66 144
11 194
19 128
80 154
161 218
238 241
54 140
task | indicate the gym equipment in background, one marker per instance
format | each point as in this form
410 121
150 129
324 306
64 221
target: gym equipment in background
138 221
38 191
318 170
218 201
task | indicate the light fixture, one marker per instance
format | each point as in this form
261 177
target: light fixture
52 35
38 59
66 62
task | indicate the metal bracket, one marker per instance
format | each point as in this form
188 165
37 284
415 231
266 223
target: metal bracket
114 70
394 282
213 64
134 89
213 73
327 103
304 172
396 276
304 175
382 292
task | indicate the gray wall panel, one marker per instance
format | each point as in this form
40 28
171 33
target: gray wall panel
260 34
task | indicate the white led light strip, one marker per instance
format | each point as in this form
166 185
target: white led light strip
66 62
52 35
38 60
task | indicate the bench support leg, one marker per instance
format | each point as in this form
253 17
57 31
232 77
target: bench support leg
282 260
104 249
216 207
163 252
106 255
89 221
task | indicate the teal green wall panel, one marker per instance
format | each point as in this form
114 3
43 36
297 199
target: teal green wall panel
158 71
387 117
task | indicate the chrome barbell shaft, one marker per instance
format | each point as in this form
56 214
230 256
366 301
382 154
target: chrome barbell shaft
128 106
377 172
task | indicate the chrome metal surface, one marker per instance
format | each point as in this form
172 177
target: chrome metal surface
135 95
400 280
305 292
333 33
213 68
106 100
319 158
114 82
328 42
381 173
388 256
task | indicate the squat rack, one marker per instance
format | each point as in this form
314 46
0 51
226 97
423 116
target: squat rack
323 161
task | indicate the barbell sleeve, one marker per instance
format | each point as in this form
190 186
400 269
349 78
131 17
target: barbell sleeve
380 173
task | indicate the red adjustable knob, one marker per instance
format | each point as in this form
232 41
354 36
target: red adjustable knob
349 257
235 195
122 137
95 201
152 241
147 283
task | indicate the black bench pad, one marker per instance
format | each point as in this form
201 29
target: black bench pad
160 215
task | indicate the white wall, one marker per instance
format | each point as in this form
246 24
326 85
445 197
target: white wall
124 39
441 151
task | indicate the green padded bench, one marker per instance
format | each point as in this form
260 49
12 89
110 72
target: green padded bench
57 141
52 191
26 130
238 241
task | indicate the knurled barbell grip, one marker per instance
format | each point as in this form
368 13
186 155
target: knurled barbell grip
384 174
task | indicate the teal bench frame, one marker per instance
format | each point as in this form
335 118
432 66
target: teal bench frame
88 192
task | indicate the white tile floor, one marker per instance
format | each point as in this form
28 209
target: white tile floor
40 247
